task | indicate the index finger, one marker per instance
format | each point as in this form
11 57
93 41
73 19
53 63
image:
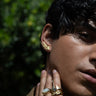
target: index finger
56 79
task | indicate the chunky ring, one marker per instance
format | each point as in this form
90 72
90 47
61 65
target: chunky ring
56 91
46 90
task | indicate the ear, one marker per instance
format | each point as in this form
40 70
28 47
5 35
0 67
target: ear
46 39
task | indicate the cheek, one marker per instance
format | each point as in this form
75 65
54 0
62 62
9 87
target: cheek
67 55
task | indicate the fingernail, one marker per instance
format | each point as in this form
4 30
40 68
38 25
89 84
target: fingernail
38 84
54 71
43 71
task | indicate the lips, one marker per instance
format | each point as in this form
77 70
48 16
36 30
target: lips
90 75
91 72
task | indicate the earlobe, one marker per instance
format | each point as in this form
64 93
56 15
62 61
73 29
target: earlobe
46 39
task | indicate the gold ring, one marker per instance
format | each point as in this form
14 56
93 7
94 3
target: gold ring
56 91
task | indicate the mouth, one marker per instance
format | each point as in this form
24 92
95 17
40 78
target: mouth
90 75
91 72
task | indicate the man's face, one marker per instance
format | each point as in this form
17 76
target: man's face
74 56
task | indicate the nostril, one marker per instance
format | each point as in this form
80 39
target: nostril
93 61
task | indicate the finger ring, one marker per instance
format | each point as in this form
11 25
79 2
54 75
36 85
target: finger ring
56 91
46 90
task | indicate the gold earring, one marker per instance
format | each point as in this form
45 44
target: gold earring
45 46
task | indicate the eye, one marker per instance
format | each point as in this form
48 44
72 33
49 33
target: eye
84 35
87 37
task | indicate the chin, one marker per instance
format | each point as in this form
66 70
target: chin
79 91
84 93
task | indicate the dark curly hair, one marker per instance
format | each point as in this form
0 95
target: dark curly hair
64 15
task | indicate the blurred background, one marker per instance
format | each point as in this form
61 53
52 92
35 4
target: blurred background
21 23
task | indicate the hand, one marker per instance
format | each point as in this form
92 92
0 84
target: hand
46 82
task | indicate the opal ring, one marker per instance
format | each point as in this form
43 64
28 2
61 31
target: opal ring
46 90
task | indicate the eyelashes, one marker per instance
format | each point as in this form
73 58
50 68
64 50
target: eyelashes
87 37
84 35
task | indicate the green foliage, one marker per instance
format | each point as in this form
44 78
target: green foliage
21 23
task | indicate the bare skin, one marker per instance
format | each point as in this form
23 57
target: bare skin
46 82
71 55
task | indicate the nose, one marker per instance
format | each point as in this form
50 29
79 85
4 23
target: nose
93 61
